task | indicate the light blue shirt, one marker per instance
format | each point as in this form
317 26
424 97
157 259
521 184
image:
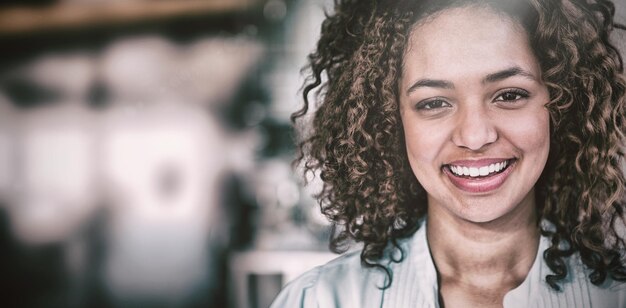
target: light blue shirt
343 282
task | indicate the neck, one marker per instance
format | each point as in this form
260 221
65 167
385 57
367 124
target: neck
492 255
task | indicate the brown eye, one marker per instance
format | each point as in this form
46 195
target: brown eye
512 95
432 104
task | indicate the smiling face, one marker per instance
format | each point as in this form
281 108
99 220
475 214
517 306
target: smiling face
472 107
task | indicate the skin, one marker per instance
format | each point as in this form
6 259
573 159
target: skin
471 90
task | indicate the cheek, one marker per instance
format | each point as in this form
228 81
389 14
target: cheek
423 144
531 132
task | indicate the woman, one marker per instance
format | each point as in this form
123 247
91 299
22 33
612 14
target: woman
474 149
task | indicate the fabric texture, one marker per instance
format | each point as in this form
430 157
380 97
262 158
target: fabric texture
344 282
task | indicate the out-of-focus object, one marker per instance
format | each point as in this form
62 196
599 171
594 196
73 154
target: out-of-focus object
248 267
51 78
91 13
162 165
54 192
7 139
274 188
301 35
275 10
148 70
138 70
164 155
212 69
71 75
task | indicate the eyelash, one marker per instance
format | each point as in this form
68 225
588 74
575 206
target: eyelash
427 105
519 94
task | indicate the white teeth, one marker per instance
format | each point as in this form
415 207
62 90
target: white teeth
474 172
478 171
483 170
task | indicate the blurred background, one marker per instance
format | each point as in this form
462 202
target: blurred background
145 151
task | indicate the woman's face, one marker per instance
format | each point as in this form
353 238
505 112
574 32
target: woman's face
472 107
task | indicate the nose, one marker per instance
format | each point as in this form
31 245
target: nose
474 129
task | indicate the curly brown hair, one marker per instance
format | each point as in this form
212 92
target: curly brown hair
356 143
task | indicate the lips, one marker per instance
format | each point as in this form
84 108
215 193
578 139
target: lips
479 176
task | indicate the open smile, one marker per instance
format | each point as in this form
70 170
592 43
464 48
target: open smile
479 171
479 176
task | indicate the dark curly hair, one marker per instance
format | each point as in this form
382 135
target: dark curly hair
353 136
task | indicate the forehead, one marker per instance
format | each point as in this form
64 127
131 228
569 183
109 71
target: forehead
459 39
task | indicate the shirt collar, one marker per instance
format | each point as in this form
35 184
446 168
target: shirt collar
415 282
415 278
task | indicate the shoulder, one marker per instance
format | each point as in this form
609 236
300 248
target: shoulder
345 282
610 293
337 283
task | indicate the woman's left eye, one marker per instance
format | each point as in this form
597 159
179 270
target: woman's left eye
512 95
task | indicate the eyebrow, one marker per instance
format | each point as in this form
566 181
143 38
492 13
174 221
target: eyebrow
509 72
491 78
432 83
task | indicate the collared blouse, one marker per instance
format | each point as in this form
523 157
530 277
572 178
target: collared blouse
344 282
